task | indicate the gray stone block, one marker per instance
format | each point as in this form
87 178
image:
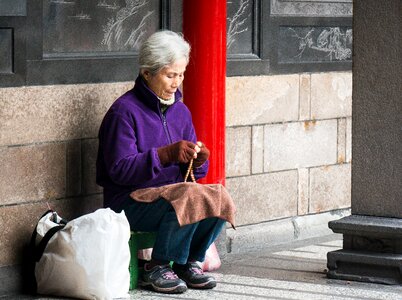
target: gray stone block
89 154
305 97
303 191
300 145
330 188
264 197
342 127
348 140
331 95
238 151
262 99
257 150
18 221
31 173
53 113
73 168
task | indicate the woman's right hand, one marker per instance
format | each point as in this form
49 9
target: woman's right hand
181 152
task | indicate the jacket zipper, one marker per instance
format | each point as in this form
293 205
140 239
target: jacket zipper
164 122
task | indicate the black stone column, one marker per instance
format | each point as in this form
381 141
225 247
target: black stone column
372 235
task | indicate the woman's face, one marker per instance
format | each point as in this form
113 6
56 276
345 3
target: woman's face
165 83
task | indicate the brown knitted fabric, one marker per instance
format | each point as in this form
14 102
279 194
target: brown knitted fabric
192 202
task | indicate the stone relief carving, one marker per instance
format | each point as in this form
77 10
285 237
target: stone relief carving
81 17
104 4
237 22
113 30
97 26
321 44
324 8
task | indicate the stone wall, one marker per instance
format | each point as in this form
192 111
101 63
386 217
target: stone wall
288 144
288 149
48 149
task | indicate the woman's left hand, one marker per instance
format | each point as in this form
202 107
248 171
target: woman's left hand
202 155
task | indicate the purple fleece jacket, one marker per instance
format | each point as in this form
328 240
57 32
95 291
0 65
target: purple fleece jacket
130 133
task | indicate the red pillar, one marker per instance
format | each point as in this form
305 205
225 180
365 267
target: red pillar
204 27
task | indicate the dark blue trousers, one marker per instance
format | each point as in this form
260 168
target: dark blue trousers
173 243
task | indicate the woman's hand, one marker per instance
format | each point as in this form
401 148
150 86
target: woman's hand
202 155
181 152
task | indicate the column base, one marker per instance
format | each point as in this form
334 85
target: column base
372 250
365 267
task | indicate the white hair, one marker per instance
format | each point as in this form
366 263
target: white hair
161 49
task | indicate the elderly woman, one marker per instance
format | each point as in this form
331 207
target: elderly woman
147 139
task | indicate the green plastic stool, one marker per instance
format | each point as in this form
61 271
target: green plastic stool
138 240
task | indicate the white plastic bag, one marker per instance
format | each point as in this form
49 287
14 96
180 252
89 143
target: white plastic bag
87 259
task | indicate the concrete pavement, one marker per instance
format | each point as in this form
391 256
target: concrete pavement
291 271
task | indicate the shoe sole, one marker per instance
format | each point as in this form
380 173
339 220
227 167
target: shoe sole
171 290
202 286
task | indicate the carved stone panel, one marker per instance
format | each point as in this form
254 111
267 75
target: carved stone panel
301 44
98 27
312 8
6 51
240 27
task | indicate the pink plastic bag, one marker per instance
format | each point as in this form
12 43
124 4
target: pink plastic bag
212 261
145 254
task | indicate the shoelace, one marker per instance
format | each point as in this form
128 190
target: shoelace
197 270
168 274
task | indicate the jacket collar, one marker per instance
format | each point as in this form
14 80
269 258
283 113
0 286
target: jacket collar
147 96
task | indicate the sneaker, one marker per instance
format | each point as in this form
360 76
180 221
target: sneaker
162 279
193 275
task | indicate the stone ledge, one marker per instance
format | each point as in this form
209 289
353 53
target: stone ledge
368 226
316 225
258 236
